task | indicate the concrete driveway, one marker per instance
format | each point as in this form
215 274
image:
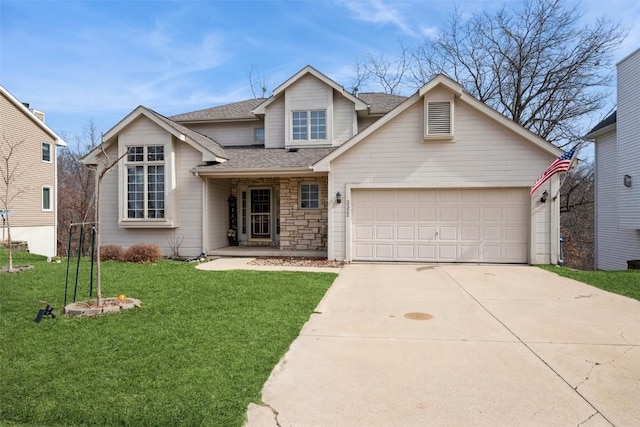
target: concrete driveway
459 345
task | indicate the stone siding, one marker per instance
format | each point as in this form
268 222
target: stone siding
302 229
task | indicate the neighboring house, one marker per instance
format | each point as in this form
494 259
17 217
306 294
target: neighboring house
437 177
617 163
33 214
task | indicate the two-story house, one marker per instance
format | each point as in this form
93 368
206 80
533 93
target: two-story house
32 212
617 165
437 176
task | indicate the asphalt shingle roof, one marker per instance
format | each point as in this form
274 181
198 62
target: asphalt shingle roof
233 111
609 120
381 103
247 158
199 138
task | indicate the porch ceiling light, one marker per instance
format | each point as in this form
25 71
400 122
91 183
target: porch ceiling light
338 197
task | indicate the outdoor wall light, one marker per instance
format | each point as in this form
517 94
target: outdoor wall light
627 180
544 197
338 197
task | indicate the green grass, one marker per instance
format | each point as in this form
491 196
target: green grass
625 282
196 353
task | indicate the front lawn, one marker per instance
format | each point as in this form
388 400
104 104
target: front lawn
196 353
625 282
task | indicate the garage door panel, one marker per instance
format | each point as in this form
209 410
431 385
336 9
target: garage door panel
469 233
448 214
448 252
469 253
384 232
405 253
406 214
426 233
426 252
427 214
448 233
364 232
384 252
492 234
363 213
447 225
385 214
364 251
405 233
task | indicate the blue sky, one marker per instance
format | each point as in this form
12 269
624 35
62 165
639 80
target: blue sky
97 60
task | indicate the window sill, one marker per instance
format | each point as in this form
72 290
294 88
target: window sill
443 137
147 223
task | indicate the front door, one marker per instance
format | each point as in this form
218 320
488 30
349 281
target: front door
260 213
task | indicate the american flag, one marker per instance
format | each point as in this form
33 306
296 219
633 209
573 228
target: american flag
561 164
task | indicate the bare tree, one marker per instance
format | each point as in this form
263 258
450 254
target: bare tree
537 64
10 172
76 188
388 72
101 170
257 82
577 219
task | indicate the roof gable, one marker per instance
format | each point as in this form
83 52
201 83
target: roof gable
439 81
24 110
210 149
261 109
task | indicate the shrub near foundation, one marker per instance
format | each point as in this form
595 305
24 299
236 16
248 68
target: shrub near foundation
143 253
111 253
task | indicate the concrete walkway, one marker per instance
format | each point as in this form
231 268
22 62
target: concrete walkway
459 345
241 263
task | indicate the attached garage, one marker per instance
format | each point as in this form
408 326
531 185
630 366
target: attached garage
440 225
442 178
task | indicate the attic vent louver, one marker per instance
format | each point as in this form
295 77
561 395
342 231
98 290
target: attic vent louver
439 118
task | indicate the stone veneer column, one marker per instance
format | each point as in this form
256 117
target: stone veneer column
302 229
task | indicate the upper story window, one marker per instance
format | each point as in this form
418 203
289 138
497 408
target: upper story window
309 125
258 135
145 167
309 196
46 152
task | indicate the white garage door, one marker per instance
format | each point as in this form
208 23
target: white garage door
441 225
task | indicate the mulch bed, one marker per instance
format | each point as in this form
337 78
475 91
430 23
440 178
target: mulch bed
297 262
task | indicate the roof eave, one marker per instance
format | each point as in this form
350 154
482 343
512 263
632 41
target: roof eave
592 136
254 172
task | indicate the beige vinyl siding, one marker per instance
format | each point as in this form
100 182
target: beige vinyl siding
628 125
186 197
229 134
614 245
275 125
344 117
33 173
307 94
218 212
481 154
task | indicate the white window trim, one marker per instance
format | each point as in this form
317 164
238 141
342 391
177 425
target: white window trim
50 188
300 195
170 219
427 133
308 138
50 152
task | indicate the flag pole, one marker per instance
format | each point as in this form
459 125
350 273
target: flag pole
573 159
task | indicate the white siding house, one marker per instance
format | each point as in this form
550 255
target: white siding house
617 162
436 177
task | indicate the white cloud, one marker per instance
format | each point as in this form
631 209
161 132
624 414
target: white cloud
379 12
429 32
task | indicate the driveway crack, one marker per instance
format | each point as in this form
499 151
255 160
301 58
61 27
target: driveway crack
275 413
596 364
587 420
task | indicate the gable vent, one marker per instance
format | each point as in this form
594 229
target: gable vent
439 118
